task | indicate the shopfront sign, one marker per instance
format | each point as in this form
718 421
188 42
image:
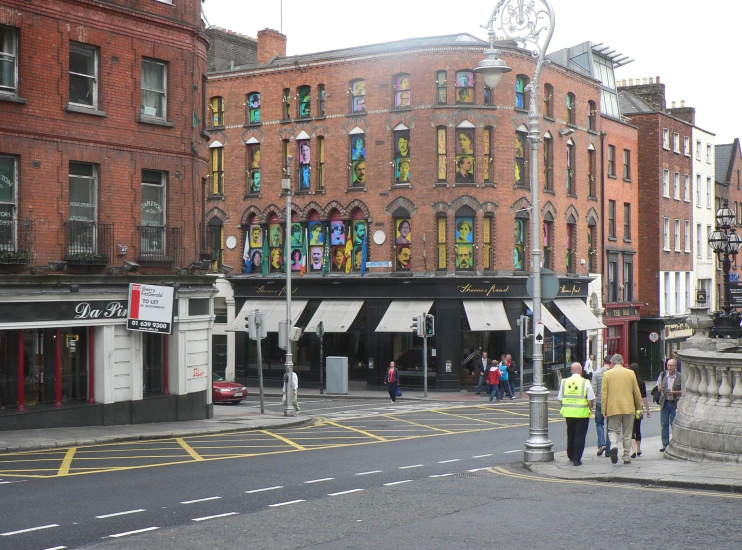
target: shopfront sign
150 308
678 330
63 311
613 313
735 293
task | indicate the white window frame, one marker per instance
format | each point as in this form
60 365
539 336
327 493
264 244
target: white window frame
666 184
677 235
150 244
665 138
686 146
676 188
8 217
666 234
686 190
709 253
163 92
708 193
699 191
709 153
678 296
687 235
699 241
9 54
698 149
93 77
676 142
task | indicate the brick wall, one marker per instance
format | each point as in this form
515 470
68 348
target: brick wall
228 49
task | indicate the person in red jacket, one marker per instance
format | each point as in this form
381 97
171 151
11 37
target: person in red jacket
391 379
493 378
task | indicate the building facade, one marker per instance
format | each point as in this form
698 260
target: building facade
103 163
702 150
410 185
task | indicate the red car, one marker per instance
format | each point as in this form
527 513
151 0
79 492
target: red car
227 392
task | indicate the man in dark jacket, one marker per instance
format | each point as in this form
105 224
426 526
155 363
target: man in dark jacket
513 372
481 366
391 379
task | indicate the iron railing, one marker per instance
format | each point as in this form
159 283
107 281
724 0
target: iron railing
88 243
16 241
159 244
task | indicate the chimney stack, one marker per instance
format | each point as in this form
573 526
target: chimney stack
270 44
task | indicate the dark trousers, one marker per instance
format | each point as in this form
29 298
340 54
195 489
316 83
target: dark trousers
392 387
576 432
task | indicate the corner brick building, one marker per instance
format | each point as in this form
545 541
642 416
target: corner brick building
401 151
103 161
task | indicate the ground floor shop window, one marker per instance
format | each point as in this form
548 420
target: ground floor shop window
153 363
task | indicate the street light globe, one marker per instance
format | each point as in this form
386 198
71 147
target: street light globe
718 240
735 241
725 217
492 68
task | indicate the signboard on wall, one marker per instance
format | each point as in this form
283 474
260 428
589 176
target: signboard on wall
150 308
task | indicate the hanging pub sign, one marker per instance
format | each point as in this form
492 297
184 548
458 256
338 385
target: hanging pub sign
150 308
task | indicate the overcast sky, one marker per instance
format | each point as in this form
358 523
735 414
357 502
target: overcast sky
691 46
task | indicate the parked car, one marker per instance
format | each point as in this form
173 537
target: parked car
227 392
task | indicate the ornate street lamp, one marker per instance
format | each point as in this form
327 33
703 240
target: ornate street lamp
725 242
530 25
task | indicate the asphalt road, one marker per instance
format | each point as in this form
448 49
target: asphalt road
418 478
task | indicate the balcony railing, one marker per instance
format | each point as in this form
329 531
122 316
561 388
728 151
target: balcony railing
159 244
88 243
16 241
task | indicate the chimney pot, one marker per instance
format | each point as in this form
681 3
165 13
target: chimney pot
673 104
658 80
682 103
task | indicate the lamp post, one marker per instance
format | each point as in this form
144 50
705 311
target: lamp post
725 242
530 25
288 376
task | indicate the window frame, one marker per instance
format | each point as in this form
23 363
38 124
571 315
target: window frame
286 105
676 142
441 153
627 221
10 56
398 158
217 171
666 183
666 139
441 231
302 164
548 242
471 177
162 186
459 218
571 260
521 162
613 279
163 93
611 219
441 87
252 170
666 234
592 249
304 102
548 164
321 101
487 164
699 191
686 187
153 236
571 169
355 95
522 244
686 235
320 163
254 113
216 104
362 158
591 176
676 235
471 88
548 100
90 78
488 224
397 92
627 165
522 96
611 161
686 146
9 208
571 109
592 116
676 186
628 278
93 190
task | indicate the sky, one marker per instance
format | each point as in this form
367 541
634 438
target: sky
672 39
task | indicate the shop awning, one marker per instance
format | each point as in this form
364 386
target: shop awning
399 316
273 310
486 315
336 315
578 313
552 324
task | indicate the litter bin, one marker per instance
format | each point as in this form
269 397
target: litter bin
337 375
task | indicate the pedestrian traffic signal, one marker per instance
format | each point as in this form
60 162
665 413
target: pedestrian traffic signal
417 327
429 325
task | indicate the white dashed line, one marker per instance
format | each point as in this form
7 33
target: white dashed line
477 470
120 514
413 466
200 500
285 503
264 489
369 473
441 475
56 548
127 533
9 533
216 516
482 456
447 461
319 480
508 452
344 493
397 482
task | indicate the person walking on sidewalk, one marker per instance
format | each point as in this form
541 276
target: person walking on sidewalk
481 366
621 400
587 371
493 379
504 384
577 399
295 384
513 374
604 441
636 434
391 379
670 386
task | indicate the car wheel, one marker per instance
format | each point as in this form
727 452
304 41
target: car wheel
236 402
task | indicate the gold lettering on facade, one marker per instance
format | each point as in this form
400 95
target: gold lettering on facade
494 289
274 291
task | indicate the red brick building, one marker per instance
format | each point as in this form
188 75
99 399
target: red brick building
102 160
400 146
728 185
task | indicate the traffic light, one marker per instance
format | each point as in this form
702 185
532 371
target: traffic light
251 326
429 325
416 325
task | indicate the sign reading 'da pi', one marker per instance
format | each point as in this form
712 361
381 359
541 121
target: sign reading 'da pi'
150 308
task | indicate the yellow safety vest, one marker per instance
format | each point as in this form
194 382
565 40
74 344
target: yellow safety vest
574 397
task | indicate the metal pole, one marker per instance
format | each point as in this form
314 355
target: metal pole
259 343
321 362
523 321
425 355
288 408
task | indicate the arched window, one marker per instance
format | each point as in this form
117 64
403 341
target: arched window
521 236
571 167
592 116
298 234
401 159
253 108
321 100
338 240
464 87
253 251
487 154
465 239
275 245
317 238
465 152
549 100
215 233
402 91
253 166
358 233
217 169
521 164
548 162
304 154
217 111
488 225
522 96
358 96
402 239
591 171
441 241
357 158
321 163
442 145
571 244
286 104
548 241
592 248
304 107
441 80
571 108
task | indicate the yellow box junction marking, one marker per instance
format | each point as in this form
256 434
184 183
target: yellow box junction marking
187 448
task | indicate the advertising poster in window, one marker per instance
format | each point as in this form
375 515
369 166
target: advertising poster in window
337 233
150 308
464 156
316 235
338 258
464 87
402 94
404 257
404 230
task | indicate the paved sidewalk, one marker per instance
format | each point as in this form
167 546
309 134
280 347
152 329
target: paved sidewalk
650 469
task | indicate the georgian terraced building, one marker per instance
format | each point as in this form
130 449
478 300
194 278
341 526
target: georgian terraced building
411 194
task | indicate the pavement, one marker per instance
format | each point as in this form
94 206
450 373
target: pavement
651 469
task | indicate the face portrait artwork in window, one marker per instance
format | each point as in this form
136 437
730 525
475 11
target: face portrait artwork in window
255 182
256 257
306 175
338 258
464 256
359 172
464 169
296 257
359 148
359 232
404 257
402 145
316 258
357 257
464 142
403 170
276 235
305 102
464 230
404 228
254 107
402 95
256 236
255 157
316 235
276 259
296 236
519 243
337 233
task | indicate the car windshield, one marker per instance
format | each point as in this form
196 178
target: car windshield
218 378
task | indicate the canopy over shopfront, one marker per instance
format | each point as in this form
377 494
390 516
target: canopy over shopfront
486 315
273 310
399 316
336 315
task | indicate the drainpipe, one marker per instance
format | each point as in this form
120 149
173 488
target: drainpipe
604 263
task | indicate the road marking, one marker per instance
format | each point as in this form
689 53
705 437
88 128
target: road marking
120 514
482 456
397 482
508 452
187 448
417 424
57 548
199 500
469 418
9 533
343 493
264 489
369 473
441 475
477 470
285 503
447 461
214 517
127 533
319 480
367 434
287 441
413 466
64 468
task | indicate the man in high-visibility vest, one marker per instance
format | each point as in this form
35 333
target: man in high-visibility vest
577 398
